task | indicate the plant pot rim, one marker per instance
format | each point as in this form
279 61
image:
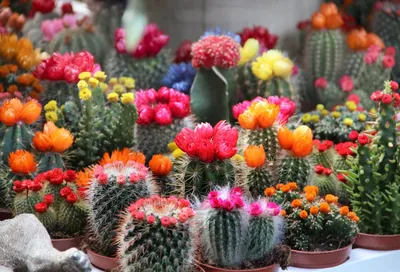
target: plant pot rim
102 256
66 239
238 270
322 252
379 235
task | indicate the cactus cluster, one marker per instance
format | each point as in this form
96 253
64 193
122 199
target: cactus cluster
373 179
55 199
231 233
154 235
11 22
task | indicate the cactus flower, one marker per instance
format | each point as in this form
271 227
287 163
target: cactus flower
254 156
22 162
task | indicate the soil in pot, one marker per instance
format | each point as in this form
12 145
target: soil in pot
210 268
377 242
320 259
66 243
102 262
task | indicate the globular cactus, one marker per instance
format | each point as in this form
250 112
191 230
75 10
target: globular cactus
154 235
180 76
118 180
16 120
214 88
54 198
324 47
373 180
325 180
344 150
294 164
228 234
323 153
147 64
162 115
330 93
161 167
208 162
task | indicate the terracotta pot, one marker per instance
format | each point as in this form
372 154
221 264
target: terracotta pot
209 268
378 242
67 243
320 259
4 215
102 262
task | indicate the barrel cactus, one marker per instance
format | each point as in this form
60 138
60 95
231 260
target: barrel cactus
161 167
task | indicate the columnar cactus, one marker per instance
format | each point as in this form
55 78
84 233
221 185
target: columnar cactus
16 119
54 198
229 234
117 181
154 235
374 184
162 115
208 161
294 165
147 64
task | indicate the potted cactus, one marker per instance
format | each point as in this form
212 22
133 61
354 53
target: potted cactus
161 167
154 235
373 183
319 231
56 200
232 235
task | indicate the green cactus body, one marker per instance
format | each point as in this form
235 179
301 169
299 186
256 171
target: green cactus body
247 83
73 214
154 139
331 95
326 184
76 40
71 115
48 219
6 193
49 161
340 163
60 91
15 138
277 86
266 137
292 169
300 86
323 56
258 180
123 134
32 29
25 203
325 158
147 72
343 194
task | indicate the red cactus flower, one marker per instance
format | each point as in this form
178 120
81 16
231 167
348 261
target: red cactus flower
184 52
19 186
346 83
48 199
376 96
321 83
341 178
386 98
353 97
363 139
43 6
388 62
394 85
390 51
41 207
67 8
327 172
64 192
319 169
70 175
72 198
261 34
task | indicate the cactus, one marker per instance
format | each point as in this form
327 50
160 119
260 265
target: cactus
325 181
119 180
154 235
147 65
229 235
161 167
323 153
5 188
54 199
330 94
373 181
33 31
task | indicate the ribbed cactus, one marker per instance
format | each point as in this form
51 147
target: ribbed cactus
330 93
323 153
147 64
228 235
119 180
154 235
55 200
161 167
5 189
162 115
325 180
373 178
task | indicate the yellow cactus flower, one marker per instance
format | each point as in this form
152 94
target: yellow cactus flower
238 157
113 80
283 68
315 118
261 69
82 84
351 105
103 86
51 106
127 98
178 153
112 97
320 107
306 118
362 117
248 51
372 111
368 127
85 75
85 94
62 107
172 146
129 83
100 76
336 114
51 116
118 88
325 112
93 82
272 56
122 80
348 122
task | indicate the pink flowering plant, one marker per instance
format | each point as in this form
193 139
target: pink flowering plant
52 27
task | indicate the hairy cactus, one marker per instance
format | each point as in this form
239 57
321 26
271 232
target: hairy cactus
323 153
373 179
162 115
228 235
118 180
154 235
147 64
16 120
53 197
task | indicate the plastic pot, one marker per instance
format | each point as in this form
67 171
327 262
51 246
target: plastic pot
377 242
67 243
210 268
102 262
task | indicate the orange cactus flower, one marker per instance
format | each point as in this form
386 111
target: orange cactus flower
254 156
49 128
12 68
4 71
373 39
37 86
124 156
302 144
293 186
328 9
310 196
41 142
285 188
266 114
25 79
331 198
297 203
30 112
311 189
282 213
344 210
84 178
325 207
314 210
61 139
353 216
247 120
303 214
270 191
279 186
10 112
285 138
357 39
334 21
318 21
22 162
160 165
12 89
